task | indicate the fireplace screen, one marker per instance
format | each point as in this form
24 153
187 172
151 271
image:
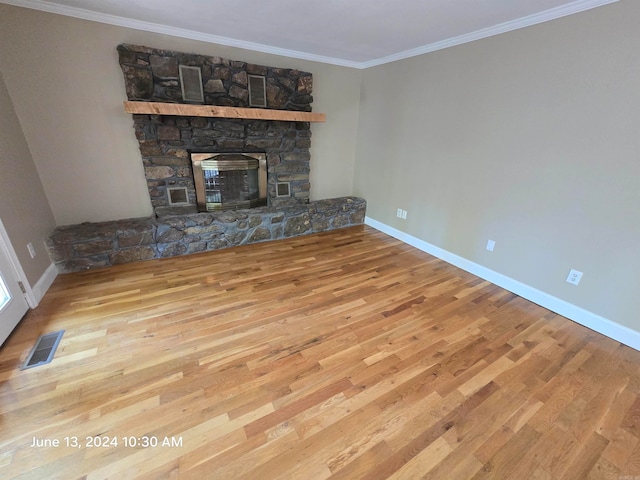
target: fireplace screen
226 181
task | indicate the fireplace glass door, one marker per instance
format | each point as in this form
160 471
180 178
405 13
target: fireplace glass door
228 181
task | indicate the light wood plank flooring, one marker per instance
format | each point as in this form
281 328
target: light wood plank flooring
343 355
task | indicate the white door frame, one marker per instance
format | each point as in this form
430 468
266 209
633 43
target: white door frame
18 272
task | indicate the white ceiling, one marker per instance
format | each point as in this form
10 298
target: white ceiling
355 33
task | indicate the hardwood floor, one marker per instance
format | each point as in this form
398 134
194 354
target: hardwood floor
342 355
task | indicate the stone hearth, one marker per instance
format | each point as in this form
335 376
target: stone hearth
93 245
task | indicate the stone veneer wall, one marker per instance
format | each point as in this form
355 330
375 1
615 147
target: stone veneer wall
165 141
165 144
93 245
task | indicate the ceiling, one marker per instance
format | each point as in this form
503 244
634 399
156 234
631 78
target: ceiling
354 33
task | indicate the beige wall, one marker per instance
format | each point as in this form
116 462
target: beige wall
529 138
24 209
67 87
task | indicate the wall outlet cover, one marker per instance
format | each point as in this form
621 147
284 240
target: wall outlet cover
574 277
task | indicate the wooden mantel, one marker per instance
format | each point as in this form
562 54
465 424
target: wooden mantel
185 110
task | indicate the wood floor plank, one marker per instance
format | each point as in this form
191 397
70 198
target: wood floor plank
342 355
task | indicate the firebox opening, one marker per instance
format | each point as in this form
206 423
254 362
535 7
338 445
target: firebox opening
229 181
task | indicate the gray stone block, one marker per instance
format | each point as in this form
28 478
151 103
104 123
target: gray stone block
134 254
260 234
297 225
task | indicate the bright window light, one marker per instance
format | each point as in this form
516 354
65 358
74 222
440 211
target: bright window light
5 296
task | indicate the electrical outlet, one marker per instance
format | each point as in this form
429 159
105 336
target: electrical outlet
574 277
404 214
491 245
399 213
32 250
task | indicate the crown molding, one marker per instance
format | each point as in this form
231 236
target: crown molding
84 14
541 17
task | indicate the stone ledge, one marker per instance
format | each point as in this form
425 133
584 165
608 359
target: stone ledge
75 248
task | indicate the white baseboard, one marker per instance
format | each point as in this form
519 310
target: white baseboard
44 283
595 322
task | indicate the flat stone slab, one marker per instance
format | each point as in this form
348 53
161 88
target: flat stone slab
85 246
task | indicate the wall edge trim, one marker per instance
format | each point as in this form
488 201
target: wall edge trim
43 284
571 8
593 321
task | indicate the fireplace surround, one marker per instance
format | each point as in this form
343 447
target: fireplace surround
166 143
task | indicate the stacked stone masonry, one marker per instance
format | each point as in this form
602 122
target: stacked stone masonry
165 141
165 144
94 245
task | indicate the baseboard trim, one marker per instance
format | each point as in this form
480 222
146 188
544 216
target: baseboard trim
588 319
44 283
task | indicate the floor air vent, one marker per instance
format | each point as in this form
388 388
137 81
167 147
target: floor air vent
44 350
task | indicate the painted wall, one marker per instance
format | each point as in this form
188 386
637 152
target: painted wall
67 88
530 138
24 208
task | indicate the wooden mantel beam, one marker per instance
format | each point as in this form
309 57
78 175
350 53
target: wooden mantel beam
185 110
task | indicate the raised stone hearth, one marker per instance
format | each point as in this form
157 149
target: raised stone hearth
94 245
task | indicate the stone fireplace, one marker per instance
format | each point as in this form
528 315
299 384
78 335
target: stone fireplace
167 142
173 147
